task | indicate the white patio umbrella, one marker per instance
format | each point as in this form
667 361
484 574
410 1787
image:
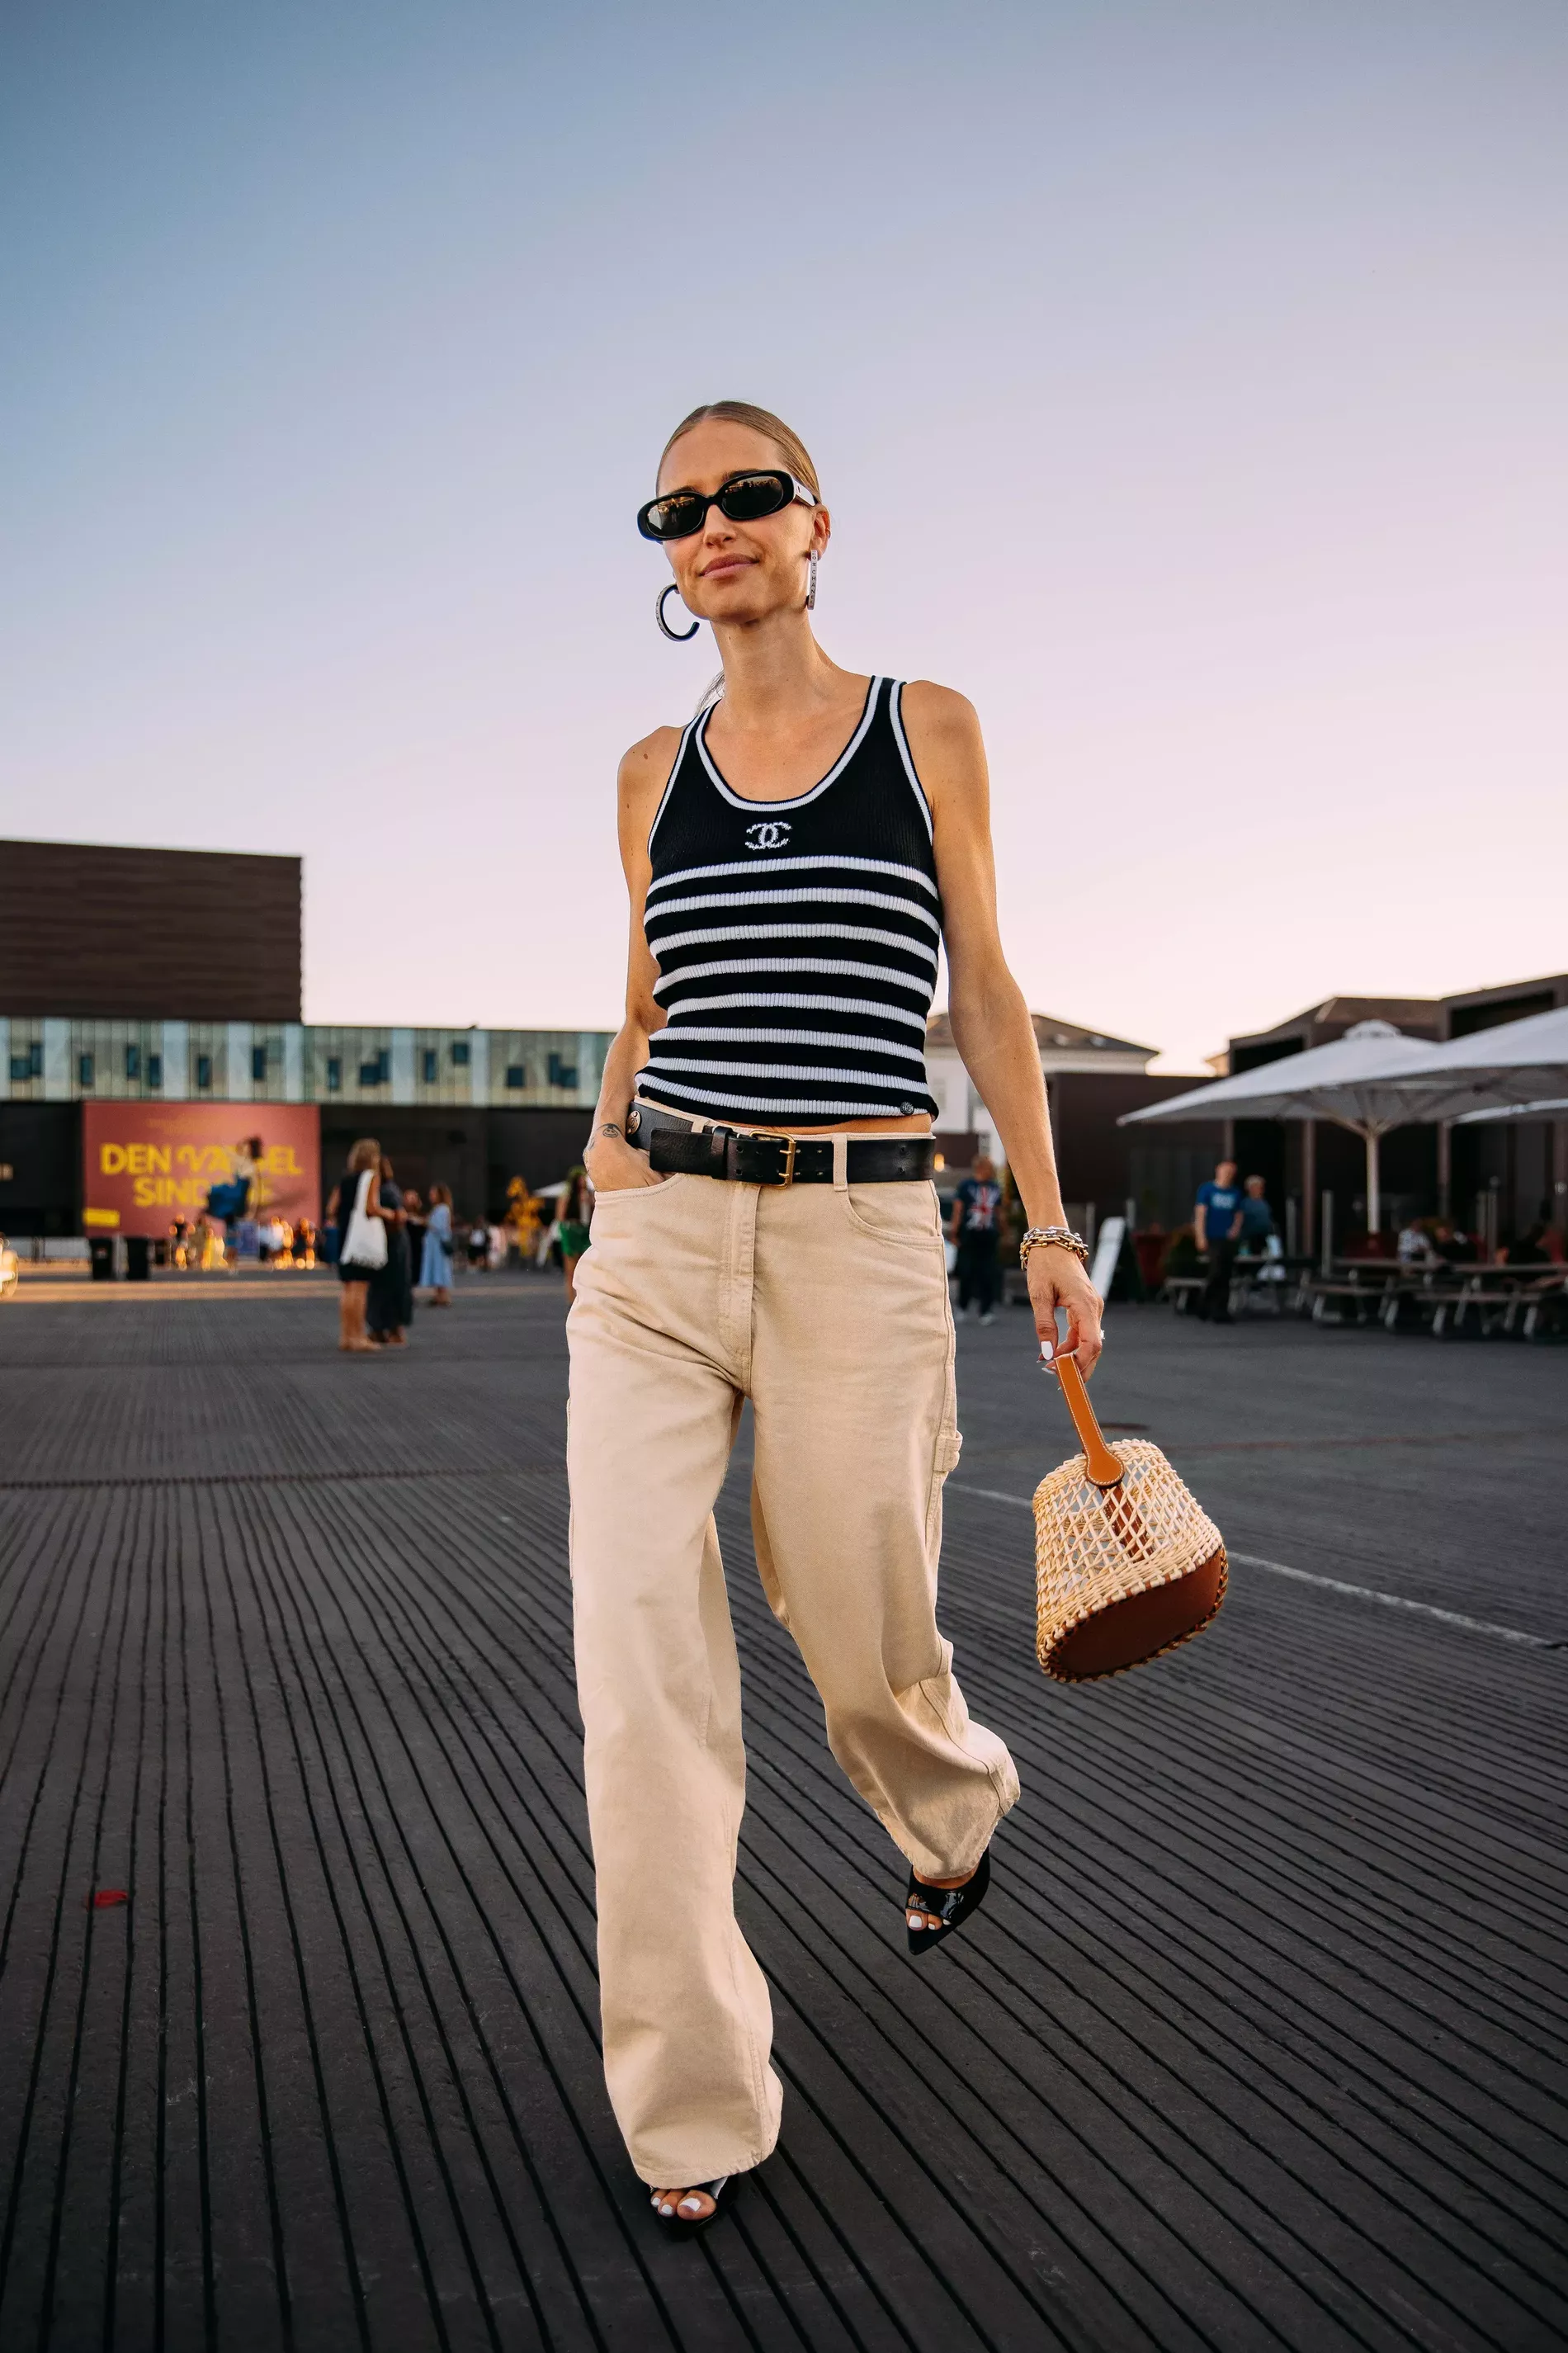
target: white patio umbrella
1368 1081
1520 1066
1553 1107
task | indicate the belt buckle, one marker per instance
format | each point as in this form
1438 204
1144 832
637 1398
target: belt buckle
775 1134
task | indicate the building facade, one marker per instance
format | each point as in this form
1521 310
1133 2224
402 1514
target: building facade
139 935
61 1059
468 1108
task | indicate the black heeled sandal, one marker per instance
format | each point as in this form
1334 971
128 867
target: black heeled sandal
950 1905
681 2226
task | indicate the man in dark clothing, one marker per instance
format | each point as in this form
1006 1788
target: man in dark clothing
1218 1228
978 1231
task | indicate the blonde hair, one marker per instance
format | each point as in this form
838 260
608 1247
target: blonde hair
789 444
366 1154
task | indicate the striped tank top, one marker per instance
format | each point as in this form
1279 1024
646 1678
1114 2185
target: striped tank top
797 941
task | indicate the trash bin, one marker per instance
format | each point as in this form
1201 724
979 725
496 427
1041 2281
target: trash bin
100 1249
138 1258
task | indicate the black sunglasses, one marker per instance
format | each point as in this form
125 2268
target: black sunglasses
744 497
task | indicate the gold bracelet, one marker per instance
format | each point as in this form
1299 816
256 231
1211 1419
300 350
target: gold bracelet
1042 1237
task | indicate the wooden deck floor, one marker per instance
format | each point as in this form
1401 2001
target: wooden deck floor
1260 2042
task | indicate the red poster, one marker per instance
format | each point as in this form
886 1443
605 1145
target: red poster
146 1164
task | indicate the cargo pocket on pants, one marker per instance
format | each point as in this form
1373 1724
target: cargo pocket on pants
944 1458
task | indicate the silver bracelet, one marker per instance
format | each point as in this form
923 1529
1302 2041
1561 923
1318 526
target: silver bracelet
1040 1236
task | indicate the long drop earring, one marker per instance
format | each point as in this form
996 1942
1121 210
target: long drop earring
811 589
676 636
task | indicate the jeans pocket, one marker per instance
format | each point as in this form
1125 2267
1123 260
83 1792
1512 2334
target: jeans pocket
613 1192
904 1215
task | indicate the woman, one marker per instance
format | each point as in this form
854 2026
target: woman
573 1213
354 1277
435 1266
765 1226
390 1307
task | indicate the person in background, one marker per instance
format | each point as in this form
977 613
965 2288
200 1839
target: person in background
978 1231
1417 1246
575 1213
435 1266
478 1244
248 1155
413 1215
390 1307
354 1278
1256 1217
1217 1225
304 1243
521 1222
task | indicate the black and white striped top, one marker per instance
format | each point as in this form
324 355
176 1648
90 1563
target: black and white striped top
797 941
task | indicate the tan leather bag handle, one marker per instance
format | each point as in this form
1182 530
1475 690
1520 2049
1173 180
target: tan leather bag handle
1103 1467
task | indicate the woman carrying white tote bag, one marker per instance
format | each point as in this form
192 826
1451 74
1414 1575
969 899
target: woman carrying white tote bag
363 1250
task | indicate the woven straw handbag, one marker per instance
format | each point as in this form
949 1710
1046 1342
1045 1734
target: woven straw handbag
1126 1564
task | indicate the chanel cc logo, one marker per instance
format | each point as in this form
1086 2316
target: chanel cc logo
772 833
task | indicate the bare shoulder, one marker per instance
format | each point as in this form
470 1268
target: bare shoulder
941 712
639 787
646 767
945 741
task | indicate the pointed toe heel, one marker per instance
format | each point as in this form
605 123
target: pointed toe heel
950 1905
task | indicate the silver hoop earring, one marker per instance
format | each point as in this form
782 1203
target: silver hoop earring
676 636
811 590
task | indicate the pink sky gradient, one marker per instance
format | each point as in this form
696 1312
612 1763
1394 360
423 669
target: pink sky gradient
1188 386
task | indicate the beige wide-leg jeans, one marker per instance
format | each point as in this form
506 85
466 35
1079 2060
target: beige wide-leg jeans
827 1307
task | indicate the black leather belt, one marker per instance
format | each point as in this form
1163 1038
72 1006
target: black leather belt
676 1148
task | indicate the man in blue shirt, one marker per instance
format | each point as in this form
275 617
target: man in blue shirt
1217 1221
1256 1217
978 1231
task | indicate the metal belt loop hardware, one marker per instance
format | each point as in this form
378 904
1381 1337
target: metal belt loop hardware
788 1177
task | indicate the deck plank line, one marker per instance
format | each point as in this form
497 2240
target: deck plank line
17 2256
516 1889
300 1596
67 2141
346 2250
457 2214
1005 1980
1093 2064
1014 1829
1226 1811
519 1889
333 1882
1298 1933
263 1549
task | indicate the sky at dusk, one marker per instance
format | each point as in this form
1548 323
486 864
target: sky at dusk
1188 383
